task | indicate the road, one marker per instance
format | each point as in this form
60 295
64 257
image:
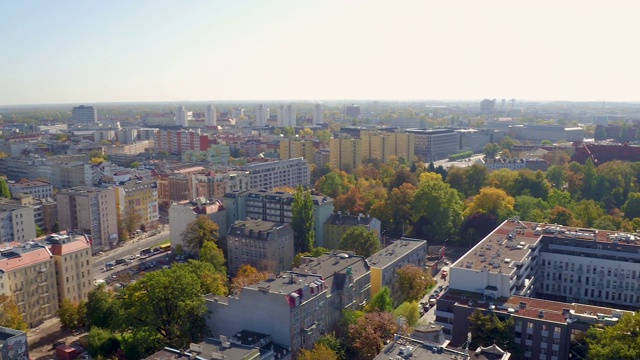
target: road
129 248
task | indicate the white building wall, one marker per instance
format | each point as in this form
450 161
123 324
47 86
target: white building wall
318 114
210 116
179 217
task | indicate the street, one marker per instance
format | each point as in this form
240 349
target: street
129 248
429 316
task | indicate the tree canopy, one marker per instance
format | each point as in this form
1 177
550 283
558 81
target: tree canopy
10 315
381 301
302 220
199 231
413 282
360 240
620 341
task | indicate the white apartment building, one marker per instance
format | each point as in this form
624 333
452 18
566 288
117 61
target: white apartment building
17 223
318 114
262 115
210 116
268 175
286 116
37 188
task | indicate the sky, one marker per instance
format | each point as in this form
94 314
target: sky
216 50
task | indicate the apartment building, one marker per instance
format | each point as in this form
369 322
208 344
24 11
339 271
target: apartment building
127 135
66 175
90 210
27 274
275 206
169 191
513 164
84 115
178 141
37 188
217 184
584 274
386 262
338 224
134 148
45 215
216 154
17 222
290 149
296 307
182 213
269 175
265 245
345 153
139 197
74 266
437 144
381 145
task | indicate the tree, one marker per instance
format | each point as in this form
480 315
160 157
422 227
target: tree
169 303
335 183
413 282
324 136
68 314
102 342
211 254
531 209
587 211
131 220
135 164
302 220
102 309
555 174
40 232
319 352
199 231
506 180
247 275
332 342
631 207
360 240
10 315
381 301
369 333
487 330
437 208
491 201
562 216
4 188
620 341
410 310
491 150
212 281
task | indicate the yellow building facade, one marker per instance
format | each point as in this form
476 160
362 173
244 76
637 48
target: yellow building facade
74 266
140 198
382 145
291 149
345 153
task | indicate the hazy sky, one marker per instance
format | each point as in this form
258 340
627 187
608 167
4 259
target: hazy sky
98 51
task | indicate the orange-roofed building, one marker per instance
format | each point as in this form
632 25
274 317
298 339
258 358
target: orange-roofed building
74 265
27 275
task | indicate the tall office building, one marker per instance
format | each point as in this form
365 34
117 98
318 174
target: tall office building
182 117
91 211
352 110
262 114
210 116
84 115
286 116
318 114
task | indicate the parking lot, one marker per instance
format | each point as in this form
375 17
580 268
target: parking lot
134 266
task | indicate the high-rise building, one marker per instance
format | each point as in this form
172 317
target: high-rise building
262 114
487 105
290 149
210 116
179 141
345 153
183 116
286 116
269 175
265 245
382 145
352 110
90 210
84 115
436 144
318 114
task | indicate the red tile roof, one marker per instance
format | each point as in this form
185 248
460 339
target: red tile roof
31 257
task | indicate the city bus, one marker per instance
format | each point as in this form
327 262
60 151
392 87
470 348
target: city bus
165 247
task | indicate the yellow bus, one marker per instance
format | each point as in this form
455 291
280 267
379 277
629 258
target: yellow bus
165 247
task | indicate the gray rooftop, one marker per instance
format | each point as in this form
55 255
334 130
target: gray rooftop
348 220
394 252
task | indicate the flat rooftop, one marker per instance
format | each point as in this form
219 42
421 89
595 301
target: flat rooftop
406 348
394 252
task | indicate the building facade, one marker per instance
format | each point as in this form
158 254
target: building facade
275 206
345 153
318 114
383 145
283 173
37 188
434 145
336 225
297 307
17 222
84 115
286 115
262 115
91 211
182 213
74 266
138 199
265 245
290 149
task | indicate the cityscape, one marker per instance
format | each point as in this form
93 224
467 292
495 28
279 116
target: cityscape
319 181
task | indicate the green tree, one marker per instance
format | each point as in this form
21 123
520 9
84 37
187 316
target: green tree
491 150
505 179
324 136
413 282
556 176
437 208
487 330
135 164
332 342
531 209
302 220
68 314
319 352
360 240
381 301
211 254
102 309
199 231
212 281
620 341
102 342
491 201
587 211
10 315
335 183
410 310
562 216
631 207
40 232
168 302
4 188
